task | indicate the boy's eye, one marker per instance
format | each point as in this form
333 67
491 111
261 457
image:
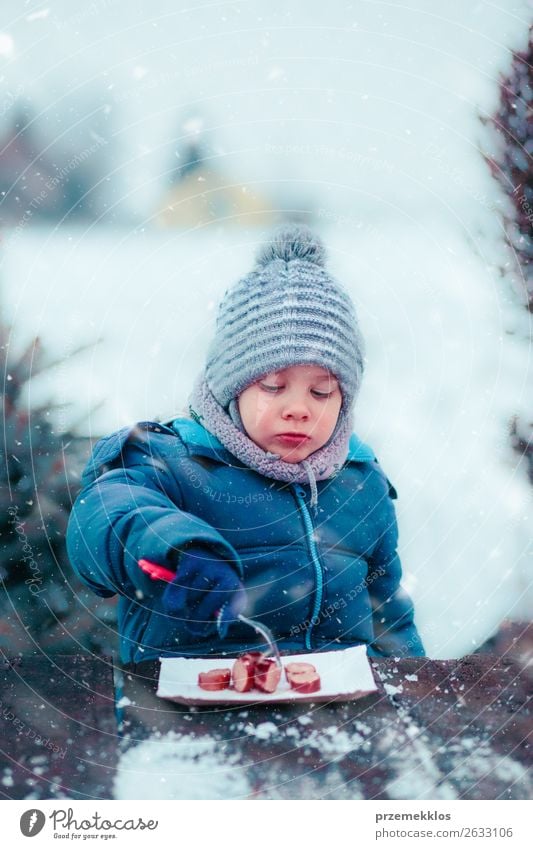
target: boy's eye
316 392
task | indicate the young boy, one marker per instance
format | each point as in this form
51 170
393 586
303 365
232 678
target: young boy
264 502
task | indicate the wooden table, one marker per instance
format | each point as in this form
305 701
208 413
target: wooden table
58 731
433 730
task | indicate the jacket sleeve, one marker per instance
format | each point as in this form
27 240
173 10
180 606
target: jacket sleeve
132 510
395 633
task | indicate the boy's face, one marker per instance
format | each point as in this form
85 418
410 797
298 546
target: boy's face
302 399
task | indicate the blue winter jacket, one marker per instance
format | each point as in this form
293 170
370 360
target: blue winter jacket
320 582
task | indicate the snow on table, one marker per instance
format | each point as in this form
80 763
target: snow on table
433 729
439 730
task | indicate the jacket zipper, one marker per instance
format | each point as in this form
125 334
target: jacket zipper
309 528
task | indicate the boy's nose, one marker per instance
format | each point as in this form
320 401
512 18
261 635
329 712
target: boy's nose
296 409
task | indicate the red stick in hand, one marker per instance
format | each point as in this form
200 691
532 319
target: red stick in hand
156 572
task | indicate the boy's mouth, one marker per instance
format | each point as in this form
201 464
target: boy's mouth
293 438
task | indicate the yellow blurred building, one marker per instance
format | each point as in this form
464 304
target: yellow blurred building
204 196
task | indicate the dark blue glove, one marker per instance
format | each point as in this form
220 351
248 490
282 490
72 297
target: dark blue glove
207 593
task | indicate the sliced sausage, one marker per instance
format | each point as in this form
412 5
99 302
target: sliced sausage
267 675
243 671
296 668
305 682
215 679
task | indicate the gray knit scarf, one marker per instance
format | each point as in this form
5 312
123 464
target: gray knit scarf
320 465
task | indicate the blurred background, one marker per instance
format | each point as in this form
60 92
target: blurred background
146 150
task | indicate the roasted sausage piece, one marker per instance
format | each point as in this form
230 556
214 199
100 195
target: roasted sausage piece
296 668
215 679
304 682
243 672
267 675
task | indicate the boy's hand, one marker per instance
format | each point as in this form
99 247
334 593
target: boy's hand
206 593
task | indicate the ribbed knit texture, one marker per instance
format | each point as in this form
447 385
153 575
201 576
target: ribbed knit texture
288 310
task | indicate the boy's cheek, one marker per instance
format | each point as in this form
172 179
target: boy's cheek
262 409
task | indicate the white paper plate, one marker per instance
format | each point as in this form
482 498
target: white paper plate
344 674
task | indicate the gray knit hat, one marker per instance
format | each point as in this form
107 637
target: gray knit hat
287 311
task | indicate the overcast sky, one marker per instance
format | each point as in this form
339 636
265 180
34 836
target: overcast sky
366 101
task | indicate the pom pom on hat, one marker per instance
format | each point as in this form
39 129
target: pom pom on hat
290 242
